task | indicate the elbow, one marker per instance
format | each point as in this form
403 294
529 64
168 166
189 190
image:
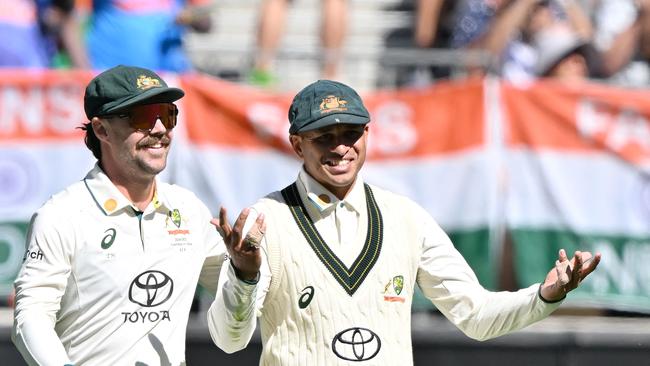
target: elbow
476 333
227 344
230 348
229 340
478 337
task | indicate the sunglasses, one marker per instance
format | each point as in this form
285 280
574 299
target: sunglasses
144 117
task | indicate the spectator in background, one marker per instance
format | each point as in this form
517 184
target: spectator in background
32 32
505 29
271 27
427 19
563 55
431 29
147 33
622 36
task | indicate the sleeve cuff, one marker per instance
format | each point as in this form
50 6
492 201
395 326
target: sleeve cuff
539 294
248 282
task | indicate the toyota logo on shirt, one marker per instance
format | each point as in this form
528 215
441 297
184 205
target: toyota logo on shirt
356 344
151 288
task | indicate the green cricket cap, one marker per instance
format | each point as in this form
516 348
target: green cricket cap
325 103
121 87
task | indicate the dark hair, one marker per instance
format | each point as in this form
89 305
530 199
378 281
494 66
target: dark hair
91 140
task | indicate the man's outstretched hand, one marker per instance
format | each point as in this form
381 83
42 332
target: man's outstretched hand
244 252
568 274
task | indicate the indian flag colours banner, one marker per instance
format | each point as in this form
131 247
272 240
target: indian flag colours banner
541 167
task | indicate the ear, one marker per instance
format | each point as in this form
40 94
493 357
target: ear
296 141
99 129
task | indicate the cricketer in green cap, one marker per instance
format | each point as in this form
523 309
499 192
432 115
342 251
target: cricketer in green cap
121 243
325 103
341 258
329 132
131 93
121 87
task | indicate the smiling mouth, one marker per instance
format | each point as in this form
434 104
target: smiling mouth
338 163
154 146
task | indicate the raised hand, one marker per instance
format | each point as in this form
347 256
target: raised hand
244 252
567 275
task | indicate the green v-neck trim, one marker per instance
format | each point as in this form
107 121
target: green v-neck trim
349 278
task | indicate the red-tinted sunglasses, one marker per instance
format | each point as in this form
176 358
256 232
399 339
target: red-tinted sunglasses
144 117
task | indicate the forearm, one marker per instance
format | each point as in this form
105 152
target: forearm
38 343
426 25
505 312
506 25
622 49
197 18
578 19
73 42
231 317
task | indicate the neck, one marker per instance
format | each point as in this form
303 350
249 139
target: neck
138 190
139 194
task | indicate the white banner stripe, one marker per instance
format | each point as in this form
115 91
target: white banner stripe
453 189
589 193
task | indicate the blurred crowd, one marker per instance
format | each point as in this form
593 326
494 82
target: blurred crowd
527 39
99 34
520 39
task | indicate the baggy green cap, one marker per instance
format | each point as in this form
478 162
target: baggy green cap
121 87
324 103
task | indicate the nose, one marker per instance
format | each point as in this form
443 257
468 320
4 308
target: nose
158 127
340 146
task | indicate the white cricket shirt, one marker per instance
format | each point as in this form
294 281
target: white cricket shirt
415 250
105 285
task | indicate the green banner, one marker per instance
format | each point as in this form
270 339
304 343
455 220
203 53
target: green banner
622 281
12 251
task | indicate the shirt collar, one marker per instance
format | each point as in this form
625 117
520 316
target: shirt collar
111 200
322 199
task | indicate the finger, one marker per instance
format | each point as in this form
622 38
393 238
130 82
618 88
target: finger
562 255
262 224
256 232
239 228
563 273
223 221
215 222
575 272
590 266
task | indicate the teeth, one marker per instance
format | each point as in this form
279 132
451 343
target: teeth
339 163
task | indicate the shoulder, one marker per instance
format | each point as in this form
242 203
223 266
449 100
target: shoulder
71 200
63 209
394 201
270 202
181 197
400 206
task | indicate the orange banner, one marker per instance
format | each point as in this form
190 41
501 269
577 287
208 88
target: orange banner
41 105
443 118
583 117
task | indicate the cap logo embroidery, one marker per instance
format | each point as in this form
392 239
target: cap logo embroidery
146 82
332 103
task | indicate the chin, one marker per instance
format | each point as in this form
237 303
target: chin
153 168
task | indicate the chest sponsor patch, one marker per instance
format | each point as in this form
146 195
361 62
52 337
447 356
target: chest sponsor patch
394 290
356 344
